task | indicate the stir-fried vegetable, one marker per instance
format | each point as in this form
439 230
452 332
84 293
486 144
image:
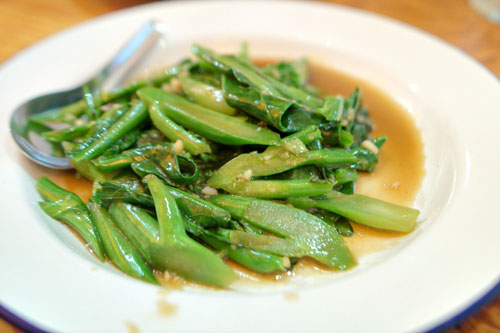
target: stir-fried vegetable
69 208
184 162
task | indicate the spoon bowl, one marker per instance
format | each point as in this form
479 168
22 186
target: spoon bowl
115 71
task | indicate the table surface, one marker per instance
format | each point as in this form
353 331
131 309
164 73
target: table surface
24 22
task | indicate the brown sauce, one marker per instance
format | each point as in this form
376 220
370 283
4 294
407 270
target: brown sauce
400 171
397 177
71 181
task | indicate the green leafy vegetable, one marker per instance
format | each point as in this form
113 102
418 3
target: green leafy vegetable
217 159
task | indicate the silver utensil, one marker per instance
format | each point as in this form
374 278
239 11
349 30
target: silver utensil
115 71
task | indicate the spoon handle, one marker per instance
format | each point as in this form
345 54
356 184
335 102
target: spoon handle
134 49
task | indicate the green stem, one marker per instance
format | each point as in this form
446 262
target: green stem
280 189
364 210
275 160
117 247
68 134
271 244
258 261
306 135
213 125
176 251
66 206
174 132
133 118
206 95
203 212
139 227
127 157
315 237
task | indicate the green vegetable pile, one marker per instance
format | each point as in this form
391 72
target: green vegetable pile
217 158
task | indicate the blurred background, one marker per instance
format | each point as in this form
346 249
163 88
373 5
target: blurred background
462 23
467 24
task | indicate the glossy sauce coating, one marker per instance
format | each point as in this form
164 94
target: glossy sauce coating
397 177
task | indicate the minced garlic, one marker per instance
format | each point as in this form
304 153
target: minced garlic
370 146
247 175
286 262
178 146
210 191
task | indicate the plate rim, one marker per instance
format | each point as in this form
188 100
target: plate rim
487 296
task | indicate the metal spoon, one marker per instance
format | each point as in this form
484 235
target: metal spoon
115 70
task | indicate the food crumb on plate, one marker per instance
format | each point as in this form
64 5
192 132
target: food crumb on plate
165 308
291 296
131 327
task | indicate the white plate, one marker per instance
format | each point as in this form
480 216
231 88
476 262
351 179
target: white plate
449 263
